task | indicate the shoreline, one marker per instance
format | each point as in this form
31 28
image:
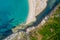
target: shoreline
31 14
35 8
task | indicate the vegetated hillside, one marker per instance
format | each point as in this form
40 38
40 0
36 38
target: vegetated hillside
50 30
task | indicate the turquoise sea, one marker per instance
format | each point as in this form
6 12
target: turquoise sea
12 13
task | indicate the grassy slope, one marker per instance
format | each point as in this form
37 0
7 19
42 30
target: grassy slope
50 30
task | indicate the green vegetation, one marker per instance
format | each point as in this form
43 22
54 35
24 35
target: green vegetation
51 29
33 38
33 35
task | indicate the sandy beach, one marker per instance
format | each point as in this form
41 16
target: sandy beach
31 15
40 6
35 8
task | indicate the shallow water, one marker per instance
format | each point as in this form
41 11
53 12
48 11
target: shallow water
12 13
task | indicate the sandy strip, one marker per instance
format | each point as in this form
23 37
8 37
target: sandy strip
31 15
35 8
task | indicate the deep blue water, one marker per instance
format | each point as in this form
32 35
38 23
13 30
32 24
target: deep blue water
12 13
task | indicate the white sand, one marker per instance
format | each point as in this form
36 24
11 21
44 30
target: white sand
40 6
31 15
35 7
